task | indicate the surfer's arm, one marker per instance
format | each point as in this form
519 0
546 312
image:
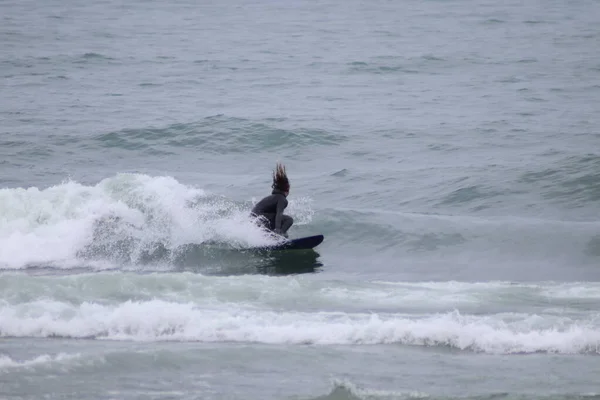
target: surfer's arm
281 205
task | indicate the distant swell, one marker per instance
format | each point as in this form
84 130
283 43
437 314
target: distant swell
494 239
574 180
218 134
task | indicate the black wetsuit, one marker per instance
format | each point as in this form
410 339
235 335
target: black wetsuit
271 208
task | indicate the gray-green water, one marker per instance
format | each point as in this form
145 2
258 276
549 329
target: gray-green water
448 151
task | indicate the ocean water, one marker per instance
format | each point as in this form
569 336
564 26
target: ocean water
449 152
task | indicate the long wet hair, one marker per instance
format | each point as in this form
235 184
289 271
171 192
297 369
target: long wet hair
280 179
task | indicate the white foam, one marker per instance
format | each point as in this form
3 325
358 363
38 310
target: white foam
349 389
7 362
161 320
50 226
543 290
305 292
581 291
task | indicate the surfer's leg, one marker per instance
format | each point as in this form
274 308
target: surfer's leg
286 223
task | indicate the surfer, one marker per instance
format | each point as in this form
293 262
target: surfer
269 211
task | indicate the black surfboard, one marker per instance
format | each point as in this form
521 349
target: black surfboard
304 243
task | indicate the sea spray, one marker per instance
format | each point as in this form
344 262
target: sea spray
126 219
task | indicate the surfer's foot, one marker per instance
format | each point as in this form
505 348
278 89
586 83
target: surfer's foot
279 233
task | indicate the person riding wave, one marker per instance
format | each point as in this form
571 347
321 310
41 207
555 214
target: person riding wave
269 210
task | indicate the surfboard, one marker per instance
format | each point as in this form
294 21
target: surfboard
303 243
